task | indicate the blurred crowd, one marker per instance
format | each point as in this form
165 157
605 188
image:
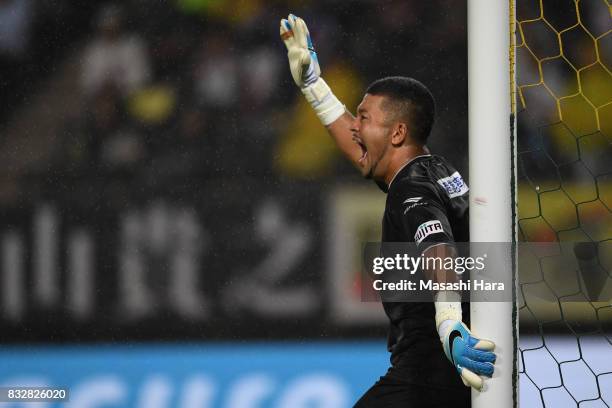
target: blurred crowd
35 36
202 88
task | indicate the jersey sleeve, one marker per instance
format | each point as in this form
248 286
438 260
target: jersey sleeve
422 214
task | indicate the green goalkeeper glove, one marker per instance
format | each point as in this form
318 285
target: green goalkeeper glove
305 70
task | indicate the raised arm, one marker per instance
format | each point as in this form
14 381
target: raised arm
306 73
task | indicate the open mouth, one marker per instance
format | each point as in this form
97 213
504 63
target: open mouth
364 149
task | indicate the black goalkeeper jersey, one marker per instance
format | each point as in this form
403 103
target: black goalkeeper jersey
427 203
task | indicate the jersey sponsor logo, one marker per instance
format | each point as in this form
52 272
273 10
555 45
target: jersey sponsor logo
413 202
426 229
454 185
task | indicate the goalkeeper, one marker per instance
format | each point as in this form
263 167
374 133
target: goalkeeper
427 203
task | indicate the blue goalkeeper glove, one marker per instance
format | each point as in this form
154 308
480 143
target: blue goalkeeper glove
303 60
471 356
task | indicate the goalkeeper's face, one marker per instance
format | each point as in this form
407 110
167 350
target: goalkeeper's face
371 131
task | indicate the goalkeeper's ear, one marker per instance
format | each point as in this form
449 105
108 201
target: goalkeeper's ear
400 134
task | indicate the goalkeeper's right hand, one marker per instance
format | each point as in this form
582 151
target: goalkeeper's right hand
303 60
471 356
306 72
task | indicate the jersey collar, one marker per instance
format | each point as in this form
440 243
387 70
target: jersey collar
406 164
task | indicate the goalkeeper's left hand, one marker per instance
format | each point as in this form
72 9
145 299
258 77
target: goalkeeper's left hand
306 72
471 356
303 60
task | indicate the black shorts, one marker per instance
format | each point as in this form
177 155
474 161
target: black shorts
390 392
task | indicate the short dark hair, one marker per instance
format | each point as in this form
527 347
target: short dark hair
410 100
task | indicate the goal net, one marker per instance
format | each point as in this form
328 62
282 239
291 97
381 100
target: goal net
564 167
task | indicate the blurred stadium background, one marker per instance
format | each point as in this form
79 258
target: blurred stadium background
179 231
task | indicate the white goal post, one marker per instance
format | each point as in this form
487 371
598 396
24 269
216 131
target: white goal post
492 180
